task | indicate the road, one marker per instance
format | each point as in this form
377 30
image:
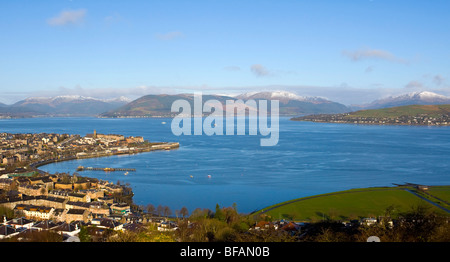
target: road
429 201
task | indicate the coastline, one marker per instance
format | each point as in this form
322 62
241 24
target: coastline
369 124
159 146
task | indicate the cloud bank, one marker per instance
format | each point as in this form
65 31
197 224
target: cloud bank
364 54
170 36
68 17
259 70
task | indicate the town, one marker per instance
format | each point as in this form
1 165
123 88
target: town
421 119
64 201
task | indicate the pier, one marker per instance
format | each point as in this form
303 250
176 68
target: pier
106 169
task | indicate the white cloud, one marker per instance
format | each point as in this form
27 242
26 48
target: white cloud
414 85
364 54
232 68
438 80
68 17
170 35
260 70
369 69
114 18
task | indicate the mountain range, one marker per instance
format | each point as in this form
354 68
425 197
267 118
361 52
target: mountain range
160 105
415 98
156 105
61 106
290 104
293 104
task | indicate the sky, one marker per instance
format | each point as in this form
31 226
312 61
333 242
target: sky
347 51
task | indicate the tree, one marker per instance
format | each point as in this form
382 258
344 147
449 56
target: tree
219 215
184 212
150 208
75 177
6 212
159 210
199 214
65 179
167 211
84 235
235 207
230 215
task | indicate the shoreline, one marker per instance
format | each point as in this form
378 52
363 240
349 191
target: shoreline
370 124
160 146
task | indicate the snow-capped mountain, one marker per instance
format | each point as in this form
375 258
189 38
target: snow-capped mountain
290 104
293 104
121 99
426 95
71 98
67 105
283 96
415 98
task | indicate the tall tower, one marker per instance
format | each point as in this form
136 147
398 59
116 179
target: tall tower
95 133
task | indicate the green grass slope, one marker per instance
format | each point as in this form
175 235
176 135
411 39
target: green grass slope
412 110
353 204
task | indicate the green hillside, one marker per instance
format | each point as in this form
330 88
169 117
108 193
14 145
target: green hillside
358 203
157 105
412 110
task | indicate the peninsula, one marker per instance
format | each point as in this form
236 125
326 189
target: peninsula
33 200
424 115
21 153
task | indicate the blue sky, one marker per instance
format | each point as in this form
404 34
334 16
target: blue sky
348 51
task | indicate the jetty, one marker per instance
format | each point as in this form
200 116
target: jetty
106 169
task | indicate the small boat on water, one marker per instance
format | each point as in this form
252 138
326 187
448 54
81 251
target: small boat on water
163 123
126 173
209 176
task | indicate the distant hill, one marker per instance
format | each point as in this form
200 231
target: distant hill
290 104
61 106
403 115
416 98
293 104
411 110
157 105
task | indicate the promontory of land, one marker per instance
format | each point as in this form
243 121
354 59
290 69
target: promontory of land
425 115
360 203
25 152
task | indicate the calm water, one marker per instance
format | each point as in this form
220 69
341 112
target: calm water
310 158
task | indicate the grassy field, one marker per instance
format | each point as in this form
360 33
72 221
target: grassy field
442 192
439 195
412 110
355 204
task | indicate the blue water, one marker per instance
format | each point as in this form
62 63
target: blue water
310 158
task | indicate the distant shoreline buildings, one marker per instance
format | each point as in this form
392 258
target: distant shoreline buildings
63 198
